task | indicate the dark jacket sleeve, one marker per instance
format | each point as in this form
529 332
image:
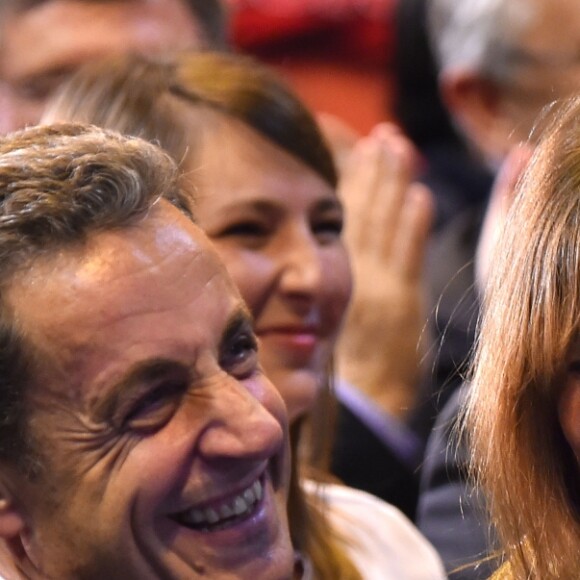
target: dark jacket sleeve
450 513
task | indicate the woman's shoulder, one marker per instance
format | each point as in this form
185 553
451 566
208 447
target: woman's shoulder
348 500
380 539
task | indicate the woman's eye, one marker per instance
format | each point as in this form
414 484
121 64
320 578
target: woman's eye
245 229
240 355
154 409
38 90
249 234
328 230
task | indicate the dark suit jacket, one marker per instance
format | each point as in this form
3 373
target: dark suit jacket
450 513
454 309
363 461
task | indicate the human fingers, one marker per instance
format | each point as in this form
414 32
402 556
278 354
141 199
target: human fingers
374 186
415 224
398 160
357 184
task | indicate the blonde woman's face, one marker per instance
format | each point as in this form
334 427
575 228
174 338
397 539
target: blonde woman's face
277 225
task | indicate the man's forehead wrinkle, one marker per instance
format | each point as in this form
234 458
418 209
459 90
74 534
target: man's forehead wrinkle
216 278
122 305
112 315
128 304
112 261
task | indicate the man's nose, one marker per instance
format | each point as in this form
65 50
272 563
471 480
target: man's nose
241 425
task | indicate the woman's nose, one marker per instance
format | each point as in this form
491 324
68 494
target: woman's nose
301 272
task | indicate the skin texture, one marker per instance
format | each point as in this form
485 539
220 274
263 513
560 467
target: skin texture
389 219
501 198
125 451
276 224
45 44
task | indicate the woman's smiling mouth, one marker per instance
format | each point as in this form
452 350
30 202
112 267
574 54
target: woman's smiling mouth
298 341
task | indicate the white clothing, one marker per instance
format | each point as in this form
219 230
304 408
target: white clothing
381 541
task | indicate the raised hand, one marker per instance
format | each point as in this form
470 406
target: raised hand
388 219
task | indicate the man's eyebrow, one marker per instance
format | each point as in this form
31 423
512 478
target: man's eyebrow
137 378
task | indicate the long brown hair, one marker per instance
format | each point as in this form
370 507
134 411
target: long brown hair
141 97
531 317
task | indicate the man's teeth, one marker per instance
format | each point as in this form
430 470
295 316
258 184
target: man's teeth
240 505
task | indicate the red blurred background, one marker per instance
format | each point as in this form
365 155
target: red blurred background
335 53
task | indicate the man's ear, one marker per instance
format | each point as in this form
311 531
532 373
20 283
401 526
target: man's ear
11 519
476 105
14 527
569 414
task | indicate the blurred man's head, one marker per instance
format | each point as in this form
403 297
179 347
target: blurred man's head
139 437
43 41
501 62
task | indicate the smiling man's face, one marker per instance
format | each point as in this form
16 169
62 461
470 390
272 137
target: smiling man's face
163 446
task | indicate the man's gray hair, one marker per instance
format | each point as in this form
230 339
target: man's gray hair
477 35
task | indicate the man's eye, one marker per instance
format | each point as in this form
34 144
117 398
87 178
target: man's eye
240 355
154 409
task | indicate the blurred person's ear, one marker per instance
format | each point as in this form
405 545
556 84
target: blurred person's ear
476 105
